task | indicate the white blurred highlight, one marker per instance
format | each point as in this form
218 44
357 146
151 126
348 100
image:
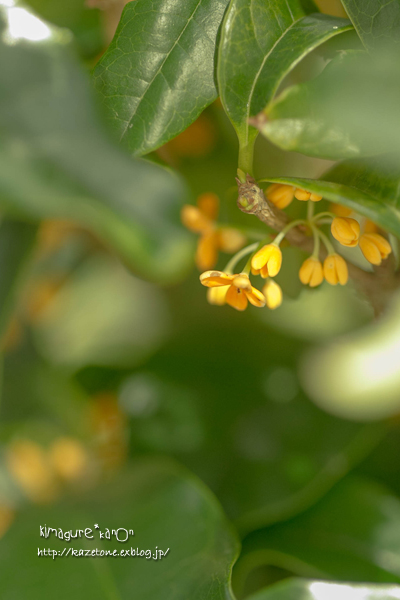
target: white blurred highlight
359 376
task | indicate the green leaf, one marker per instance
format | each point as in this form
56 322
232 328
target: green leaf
56 160
352 534
158 73
16 243
260 43
91 318
309 6
369 187
165 506
335 115
303 589
268 453
377 22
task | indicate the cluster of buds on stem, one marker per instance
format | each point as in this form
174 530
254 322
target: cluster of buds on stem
233 287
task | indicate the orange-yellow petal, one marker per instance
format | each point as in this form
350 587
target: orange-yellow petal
315 198
208 203
335 270
236 298
230 240
207 250
215 278
273 294
269 256
346 231
374 247
217 295
194 219
302 194
256 297
339 210
311 272
280 195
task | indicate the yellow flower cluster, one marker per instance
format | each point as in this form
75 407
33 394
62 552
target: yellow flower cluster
202 219
282 195
236 290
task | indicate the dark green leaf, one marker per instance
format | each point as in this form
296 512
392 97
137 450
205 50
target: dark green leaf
377 22
260 43
369 187
158 73
16 242
165 506
303 589
57 161
268 452
309 6
352 534
335 115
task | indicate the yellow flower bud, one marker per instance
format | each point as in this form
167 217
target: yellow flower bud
273 294
230 239
302 194
339 210
311 272
217 295
268 259
280 195
374 247
335 270
346 231
315 198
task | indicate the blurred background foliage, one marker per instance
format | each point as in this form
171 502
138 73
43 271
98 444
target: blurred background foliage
115 369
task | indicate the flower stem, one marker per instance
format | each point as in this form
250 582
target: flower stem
328 245
310 211
288 227
239 255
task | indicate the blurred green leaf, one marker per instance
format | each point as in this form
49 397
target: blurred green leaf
264 449
57 161
85 24
335 115
369 187
165 506
369 365
309 6
377 22
102 315
303 589
16 243
352 534
260 43
158 73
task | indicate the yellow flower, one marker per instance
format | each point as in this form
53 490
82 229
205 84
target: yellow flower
304 196
346 231
374 247
280 195
311 272
69 458
202 219
267 261
239 289
272 293
335 270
